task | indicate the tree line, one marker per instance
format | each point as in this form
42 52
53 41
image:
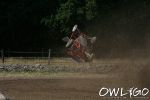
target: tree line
35 24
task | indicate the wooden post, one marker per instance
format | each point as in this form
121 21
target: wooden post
49 56
2 55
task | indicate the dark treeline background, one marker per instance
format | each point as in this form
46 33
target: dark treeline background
119 25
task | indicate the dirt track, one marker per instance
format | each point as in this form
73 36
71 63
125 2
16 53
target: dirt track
78 88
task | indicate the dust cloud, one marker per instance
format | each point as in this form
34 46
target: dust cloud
123 32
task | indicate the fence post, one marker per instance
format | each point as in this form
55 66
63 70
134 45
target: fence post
2 55
49 56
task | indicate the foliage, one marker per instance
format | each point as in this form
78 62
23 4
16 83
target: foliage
91 9
72 12
20 27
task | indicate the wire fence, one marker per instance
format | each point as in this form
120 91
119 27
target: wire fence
21 57
53 57
49 56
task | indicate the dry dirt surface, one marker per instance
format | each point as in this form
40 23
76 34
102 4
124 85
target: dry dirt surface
74 87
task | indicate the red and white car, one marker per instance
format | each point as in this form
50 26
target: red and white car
79 45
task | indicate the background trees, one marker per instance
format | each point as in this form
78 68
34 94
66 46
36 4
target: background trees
36 24
69 13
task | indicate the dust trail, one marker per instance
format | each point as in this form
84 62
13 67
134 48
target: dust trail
123 32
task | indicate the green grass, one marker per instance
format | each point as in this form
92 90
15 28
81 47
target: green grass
37 60
45 75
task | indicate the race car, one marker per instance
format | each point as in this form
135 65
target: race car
79 46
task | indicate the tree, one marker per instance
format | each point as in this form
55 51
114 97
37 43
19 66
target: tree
91 9
70 13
